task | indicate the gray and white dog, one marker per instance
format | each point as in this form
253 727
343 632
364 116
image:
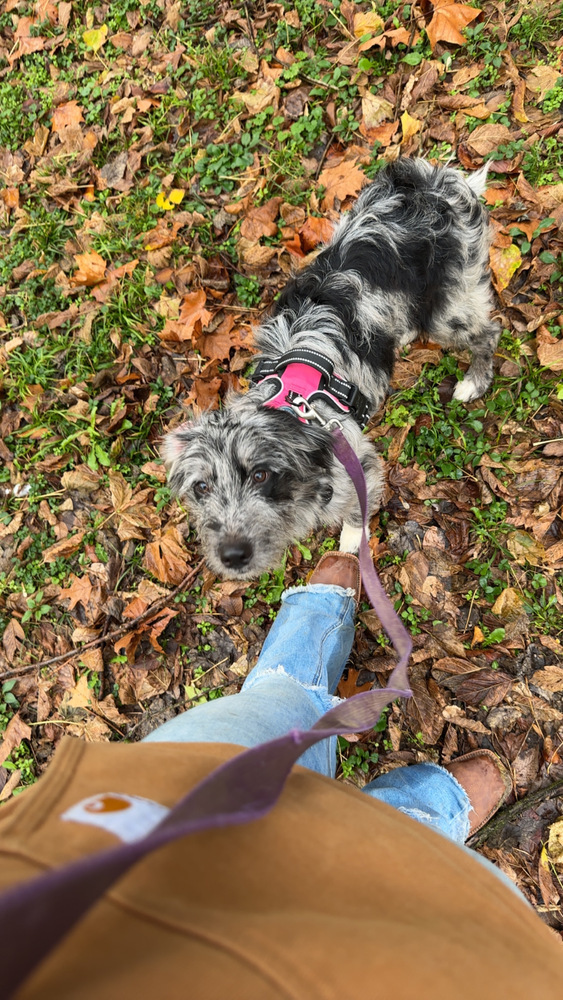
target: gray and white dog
409 260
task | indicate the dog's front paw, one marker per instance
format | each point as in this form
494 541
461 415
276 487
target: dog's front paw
350 538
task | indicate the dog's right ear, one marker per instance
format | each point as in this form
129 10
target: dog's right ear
175 443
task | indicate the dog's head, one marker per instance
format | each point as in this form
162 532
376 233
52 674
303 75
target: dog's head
254 479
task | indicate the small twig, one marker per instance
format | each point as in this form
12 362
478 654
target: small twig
116 634
537 444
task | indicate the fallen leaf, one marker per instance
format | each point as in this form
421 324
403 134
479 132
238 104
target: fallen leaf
410 127
485 138
504 262
133 516
91 269
66 547
193 315
171 200
550 679
263 95
375 110
82 479
550 351
166 557
541 79
16 731
509 604
369 23
448 20
12 639
66 114
525 549
260 221
518 102
455 714
95 38
341 180
80 591
555 842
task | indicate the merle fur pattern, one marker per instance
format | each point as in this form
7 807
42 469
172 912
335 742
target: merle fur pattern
409 260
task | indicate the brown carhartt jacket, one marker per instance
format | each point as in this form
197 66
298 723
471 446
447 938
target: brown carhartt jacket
333 896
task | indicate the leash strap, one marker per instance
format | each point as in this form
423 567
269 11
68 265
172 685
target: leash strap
36 915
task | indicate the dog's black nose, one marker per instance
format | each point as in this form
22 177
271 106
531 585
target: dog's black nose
236 554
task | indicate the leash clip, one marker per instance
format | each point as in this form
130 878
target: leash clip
302 408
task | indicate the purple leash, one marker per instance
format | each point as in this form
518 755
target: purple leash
36 915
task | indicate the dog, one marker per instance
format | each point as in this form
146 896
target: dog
410 259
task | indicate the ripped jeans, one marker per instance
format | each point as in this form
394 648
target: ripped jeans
292 685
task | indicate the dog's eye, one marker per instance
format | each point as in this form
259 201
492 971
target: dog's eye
201 489
260 476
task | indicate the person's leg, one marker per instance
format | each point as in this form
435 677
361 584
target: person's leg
455 801
293 682
427 793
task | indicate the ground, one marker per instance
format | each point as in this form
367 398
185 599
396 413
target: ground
163 167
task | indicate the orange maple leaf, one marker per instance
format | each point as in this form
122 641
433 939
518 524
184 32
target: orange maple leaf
448 20
193 318
66 114
341 178
91 269
165 558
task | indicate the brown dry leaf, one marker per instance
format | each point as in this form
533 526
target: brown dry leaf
448 20
134 516
342 179
69 113
375 110
549 350
550 679
541 79
66 547
480 688
166 558
263 95
509 604
455 714
504 262
422 709
82 479
485 138
103 290
80 590
193 317
91 269
518 102
260 221
525 549
16 731
12 639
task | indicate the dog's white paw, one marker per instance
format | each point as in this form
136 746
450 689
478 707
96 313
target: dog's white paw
466 391
350 538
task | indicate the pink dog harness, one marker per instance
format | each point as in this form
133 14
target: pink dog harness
310 376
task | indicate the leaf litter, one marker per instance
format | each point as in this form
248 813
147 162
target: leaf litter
162 171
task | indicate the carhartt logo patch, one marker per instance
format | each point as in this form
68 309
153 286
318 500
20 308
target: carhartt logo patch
128 817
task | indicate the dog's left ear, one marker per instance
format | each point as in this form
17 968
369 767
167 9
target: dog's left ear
175 443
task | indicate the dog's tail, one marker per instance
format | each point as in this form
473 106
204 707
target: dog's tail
478 181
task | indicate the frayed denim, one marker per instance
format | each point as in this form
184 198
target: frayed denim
293 684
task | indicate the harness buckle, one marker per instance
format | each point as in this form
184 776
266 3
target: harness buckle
303 408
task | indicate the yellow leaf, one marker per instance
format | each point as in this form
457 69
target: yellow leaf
509 604
369 23
504 262
163 202
410 127
176 196
525 549
95 37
